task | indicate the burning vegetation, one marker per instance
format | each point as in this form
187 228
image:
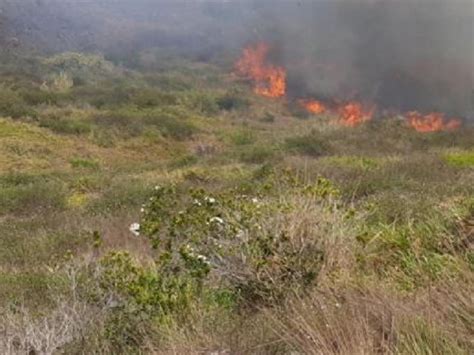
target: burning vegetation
353 113
432 122
271 81
313 106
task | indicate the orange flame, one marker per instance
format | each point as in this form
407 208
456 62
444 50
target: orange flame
313 106
353 113
270 80
432 122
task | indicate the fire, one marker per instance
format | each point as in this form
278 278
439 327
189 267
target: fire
353 113
313 106
350 114
432 122
270 80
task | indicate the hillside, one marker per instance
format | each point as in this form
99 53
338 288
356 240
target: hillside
167 208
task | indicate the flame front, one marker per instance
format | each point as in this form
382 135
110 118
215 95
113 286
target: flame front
432 122
353 114
313 106
270 80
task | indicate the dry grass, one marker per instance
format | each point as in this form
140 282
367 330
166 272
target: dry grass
24 331
370 320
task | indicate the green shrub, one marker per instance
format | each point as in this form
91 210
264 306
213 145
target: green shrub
201 102
35 196
232 101
257 155
38 97
310 145
145 289
184 161
107 95
169 82
243 137
66 126
81 163
461 160
121 122
13 105
171 126
148 98
268 118
232 236
31 289
60 82
119 195
89 67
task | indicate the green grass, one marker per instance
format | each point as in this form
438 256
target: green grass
461 160
310 145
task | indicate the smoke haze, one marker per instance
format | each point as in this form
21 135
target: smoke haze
399 54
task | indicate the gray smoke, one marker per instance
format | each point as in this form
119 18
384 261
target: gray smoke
403 55
399 54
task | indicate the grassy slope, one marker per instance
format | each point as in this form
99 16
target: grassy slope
88 157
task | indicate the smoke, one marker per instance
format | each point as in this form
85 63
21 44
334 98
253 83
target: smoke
401 55
398 54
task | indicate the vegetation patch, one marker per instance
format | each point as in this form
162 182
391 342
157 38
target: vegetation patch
311 145
461 159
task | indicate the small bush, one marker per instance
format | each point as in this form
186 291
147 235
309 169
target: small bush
232 101
13 105
120 195
152 98
257 155
107 95
66 126
60 82
39 97
184 161
81 163
201 102
169 82
171 126
31 197
122 123
238 239
461 160
243 137
268 118
310 145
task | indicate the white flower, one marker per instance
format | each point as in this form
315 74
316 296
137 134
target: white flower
216 220
210 199
203 259
157 187
255 200
142 210
135 229
197 203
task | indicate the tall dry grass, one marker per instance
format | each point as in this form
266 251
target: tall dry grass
377 320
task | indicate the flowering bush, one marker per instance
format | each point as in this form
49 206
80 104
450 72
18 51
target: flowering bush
252 244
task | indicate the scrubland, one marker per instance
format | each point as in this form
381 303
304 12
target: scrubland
261 229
